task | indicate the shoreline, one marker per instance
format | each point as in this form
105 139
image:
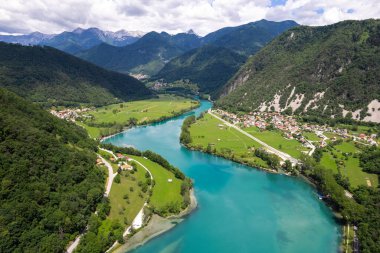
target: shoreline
157 226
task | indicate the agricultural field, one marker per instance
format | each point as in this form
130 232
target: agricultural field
112 118
275 139
209 131
345 158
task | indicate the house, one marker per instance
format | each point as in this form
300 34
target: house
99 161
112 159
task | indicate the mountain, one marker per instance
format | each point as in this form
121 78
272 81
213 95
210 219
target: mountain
49 183
330 70
249 38
213 64
28 39
76 40
209 66
47 75
148 55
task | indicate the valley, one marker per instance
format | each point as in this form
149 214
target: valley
261 136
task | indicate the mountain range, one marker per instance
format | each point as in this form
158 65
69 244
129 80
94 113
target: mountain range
52 77
147 55
76 40
221 54
330 70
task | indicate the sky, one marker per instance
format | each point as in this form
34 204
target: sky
173 16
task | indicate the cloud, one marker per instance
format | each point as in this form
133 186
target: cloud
204 16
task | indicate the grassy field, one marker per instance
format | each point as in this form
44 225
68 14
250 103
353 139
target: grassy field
210 130
164 192
349 166
276 140
144 111
311 136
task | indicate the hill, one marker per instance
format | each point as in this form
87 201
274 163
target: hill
47 75
49 182
147 56
249 38
209 67
332 71
224 51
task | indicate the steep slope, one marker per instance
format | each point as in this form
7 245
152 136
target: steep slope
249 38
49 182
331 70
148 55
45 74
210 67
76 40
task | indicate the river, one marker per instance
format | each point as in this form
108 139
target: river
241 209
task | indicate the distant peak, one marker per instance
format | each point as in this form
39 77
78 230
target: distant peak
191 31
78 30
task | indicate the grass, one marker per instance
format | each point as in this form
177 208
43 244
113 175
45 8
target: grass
164 192
210 130
311 136
144 111
350 167
275 139
121 209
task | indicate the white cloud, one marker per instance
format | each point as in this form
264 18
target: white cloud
54 16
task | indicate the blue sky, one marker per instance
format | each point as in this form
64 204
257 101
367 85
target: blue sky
173 16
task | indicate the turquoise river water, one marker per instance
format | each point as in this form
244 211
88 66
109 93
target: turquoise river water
240 209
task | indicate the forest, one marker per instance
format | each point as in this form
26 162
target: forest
49 183
52 77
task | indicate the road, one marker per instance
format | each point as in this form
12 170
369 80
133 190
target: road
111 176
271 149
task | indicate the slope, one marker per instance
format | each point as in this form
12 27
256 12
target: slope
49 182
47 75
209 66
330 70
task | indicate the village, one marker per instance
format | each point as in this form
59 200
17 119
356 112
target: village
70 114
292 129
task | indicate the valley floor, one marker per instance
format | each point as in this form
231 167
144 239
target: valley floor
111 119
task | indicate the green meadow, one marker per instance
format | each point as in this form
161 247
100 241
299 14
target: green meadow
112 118
348 165
275 139
209 131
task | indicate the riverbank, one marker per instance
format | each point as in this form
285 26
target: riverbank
156 226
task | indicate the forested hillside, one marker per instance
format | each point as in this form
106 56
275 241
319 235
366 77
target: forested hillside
249 38
209 67
47 75
49 182
224 51
329 70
